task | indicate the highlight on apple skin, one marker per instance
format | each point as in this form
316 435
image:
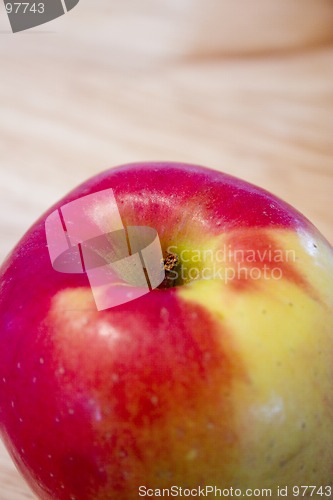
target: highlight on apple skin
220 375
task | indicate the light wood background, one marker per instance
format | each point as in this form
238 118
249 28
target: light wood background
113 82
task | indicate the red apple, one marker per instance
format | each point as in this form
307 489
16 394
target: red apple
220 376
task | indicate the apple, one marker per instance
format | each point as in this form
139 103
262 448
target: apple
220 375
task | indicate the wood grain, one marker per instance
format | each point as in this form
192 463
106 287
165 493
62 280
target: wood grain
101 88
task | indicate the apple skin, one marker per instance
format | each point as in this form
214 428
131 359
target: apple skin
209 383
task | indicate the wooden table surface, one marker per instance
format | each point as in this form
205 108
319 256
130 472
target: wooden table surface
97 89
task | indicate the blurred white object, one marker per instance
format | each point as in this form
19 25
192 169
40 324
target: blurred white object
211 27
141 30
247 26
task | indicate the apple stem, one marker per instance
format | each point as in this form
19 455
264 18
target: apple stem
170 262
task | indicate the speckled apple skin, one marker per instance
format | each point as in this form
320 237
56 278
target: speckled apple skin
208 383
